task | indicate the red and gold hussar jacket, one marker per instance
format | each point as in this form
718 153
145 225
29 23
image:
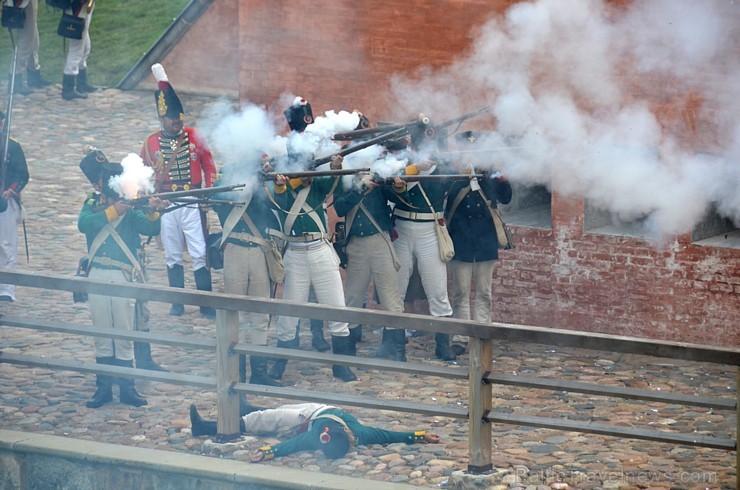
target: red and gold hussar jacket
192 166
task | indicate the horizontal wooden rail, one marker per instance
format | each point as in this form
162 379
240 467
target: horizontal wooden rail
362 362
206 382
614 391
494 331
610 430
47 326
357 401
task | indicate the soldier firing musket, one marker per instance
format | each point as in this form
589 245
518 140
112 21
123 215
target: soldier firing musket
313 173
425 178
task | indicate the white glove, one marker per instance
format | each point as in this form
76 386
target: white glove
158 72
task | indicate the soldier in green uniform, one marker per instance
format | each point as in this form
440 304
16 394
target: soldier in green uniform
313 426
113 229
310 261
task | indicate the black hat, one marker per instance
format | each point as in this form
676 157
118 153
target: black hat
467 137
95 166
168 103
364 121
334 438
299 115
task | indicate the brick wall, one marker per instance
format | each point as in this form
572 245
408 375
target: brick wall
342 56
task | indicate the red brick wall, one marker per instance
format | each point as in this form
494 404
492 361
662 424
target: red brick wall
342 56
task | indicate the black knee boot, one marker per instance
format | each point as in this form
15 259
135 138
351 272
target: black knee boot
342 345
82 85
397 343
176 278
35 80
203 427
104 386
386 349
317 336
203 283
278 368
356 334
143 356
127 391
258 376
69 91
442 349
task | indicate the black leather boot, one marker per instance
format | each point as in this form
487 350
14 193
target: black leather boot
317 336
202 427
386 349
104 386
259 376
69 91
341 345
278 367
176 278
143 356
245 407
127 391
356 334
442 349
397 343
35 80
82 85
203 283
19 87
199 425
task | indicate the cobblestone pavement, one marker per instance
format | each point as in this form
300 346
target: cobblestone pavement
53 133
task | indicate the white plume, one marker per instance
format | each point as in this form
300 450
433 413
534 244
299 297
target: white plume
159 73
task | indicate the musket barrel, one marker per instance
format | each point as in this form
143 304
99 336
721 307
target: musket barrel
315 173
431 178
388 135
202 192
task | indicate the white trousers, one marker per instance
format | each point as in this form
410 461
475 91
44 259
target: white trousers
316 266
282 417
417 242
464 274
115 313
9 243
79 49
370 259
182 229
28 40
245 273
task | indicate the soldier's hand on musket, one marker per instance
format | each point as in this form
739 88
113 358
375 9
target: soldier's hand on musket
431 438
281 179
158 204
399 183
8 193
336 162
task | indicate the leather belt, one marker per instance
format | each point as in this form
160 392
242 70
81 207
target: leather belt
413 216
305 237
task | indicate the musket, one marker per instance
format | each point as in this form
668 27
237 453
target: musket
421 123
426 178
203 193
313 173
388 134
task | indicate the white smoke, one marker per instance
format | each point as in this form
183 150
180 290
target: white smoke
136 179
602 101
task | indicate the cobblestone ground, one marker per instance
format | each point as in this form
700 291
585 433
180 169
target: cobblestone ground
53 133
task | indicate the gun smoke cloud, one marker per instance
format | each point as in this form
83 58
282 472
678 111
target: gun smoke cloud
579 91
135 180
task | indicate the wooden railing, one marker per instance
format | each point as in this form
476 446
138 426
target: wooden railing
480 374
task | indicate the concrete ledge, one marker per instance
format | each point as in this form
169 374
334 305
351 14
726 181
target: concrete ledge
40 461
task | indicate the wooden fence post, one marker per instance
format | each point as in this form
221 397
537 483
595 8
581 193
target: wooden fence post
481 362
227 372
